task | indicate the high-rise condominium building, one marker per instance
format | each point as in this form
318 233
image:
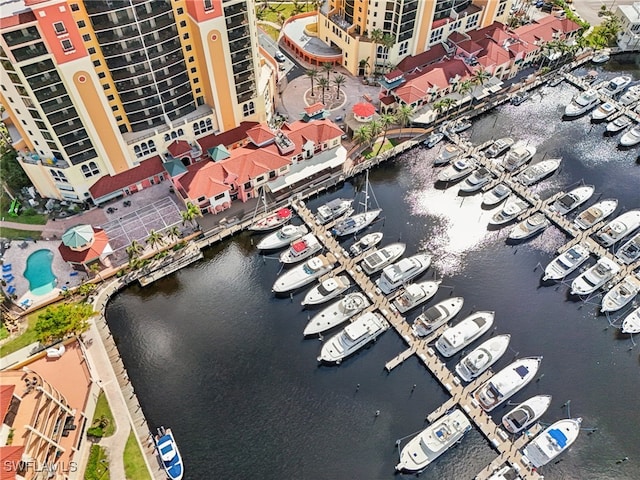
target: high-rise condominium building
96 87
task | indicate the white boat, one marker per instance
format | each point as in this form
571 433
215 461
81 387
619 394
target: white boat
616 85
601 57
618 228
631 137
596 213
631 323
302 274
300 249
513 207
519 98
595 277
554 440
526 413
327 290
566 263
536 172
375 261
572 200
436 316
333 209
529 227
337 313
433 441
482 357
603 111
459 125
496 195
455 338
582 103
621 293
414 294
517 157
433 139
355 223
618 124
557 80
498 147
506 383
169 454
282 237
448 153
630 251
272 221
506 472
395 275
459 169
367 242
478 179
632 95
353 337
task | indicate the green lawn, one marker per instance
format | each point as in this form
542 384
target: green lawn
32 218
135 467
284 9
388 145
97 466
274 33
13 234
27 338
102 409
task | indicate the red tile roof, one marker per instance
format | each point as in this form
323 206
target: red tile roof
434 54
260 135
6 394
228 138
435 77
179 148
387 100
313 109
109 184
397 73
100 241
457 37
364 109
10 457
470 47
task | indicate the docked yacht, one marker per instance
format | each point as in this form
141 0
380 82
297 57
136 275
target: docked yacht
527 228
448 153
327 290
630 251
519 98
595 277
169 454
282 237
333 209
337 313
378 259
496 195
618 228
621 294
366 243
554 440
517 157
526 413
631 323
436 316
632 95
459 169
395 275
572 200
455 338
482 357
498 147
601 57
619 123
355 223
478 179
616 85
596 213
506 383
433 441
536 172
300 249
604 111
565 263
459 125
272 221
302 274
513 207
433 139
506 472
415 294
582 103
631 137
353 337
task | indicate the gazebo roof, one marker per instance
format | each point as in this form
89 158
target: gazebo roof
218 153
364 109
77 236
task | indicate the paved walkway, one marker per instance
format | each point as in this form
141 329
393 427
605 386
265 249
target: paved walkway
21 226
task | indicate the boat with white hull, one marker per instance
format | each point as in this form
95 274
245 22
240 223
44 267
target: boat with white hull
632 95
616 85
621 294
364 329
282 237
595 277
630 251
496 195
327 290
395 275
513 207
459 169
333 209
433 441
415 294
436 316
618 124
482 357
433 139
366 243
601 57
448 153
530 226
337 313
572 200
375 261
169 454
582 103
536 172
302 274
355 223
272 221
455 338
566 263
604 111
478 179
300 249
525 414
631 323
498 147
518 156
631 137
618 228
596 213
506 383
554 440
506 472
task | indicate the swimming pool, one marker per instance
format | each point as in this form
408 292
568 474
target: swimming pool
39 273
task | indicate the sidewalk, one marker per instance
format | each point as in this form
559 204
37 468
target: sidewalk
21 226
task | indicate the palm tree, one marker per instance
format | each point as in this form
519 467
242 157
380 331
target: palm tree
448 103
464 87
385 121
173 233
338 81
362 136
375 127
95 269
297 7
190 214
134 249
404 114
388 41
481 76
154 239
328 68
324 84
376 37
311 73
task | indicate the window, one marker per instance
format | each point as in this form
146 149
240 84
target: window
90 170
185 36
96 63
188 48
180 11
58 176
91 50
81 24
86 37
59 28
190 60
67 46
183 23
106 86
194 70
167 137
220 196
114 108
196 80
248 109
74 7
110 97
404 48
102 75
208 5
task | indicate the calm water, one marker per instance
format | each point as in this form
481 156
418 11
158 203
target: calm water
213 354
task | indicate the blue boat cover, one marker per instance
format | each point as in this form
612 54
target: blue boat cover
522 371
559 437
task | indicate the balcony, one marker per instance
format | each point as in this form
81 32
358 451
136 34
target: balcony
147 123
245 97
75 137
24 35
176 92
155 112
173 82
160 36
341 22
157 23
47 94
182 111
63 128
137 94
167 60
124 61
152 9
38 68
54 105
94 8
105 22
83 156
128 85
44 80
111 36
29 52
166 48
122 48
77 148
124 73
139 105
169 72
